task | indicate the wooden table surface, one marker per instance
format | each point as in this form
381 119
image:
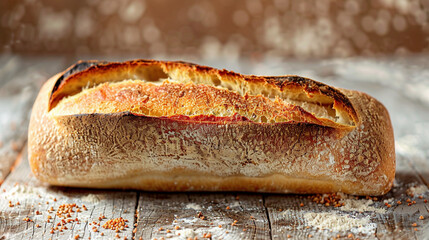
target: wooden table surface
30 209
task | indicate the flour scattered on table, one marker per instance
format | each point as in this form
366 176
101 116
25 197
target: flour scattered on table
419 190
359 205
338 223
186 233
92 198
193 206
190 220
351 204
285 213
389 200
213 231
23 191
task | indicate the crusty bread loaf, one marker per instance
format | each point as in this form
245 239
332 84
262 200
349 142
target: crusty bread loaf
175 126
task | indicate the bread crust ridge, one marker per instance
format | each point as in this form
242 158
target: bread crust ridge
132 151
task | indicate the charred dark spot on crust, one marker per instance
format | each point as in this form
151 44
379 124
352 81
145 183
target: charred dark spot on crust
81 66
283 81
186 63
310 86
229 73
76 68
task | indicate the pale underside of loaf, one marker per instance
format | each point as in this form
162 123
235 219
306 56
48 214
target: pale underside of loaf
96 128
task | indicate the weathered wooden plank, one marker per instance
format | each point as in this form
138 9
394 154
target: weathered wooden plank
398 221
420 208
20 80
418 158
37 202
288 217
213 215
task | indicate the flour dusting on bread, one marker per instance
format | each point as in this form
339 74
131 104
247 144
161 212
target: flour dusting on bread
122 125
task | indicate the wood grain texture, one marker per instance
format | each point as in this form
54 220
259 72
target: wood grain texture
398 220
35 199
20 80
287 216
211 215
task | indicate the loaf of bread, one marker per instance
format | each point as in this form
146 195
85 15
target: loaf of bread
175 126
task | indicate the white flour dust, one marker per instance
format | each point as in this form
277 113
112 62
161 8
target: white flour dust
338 223
419 190
361 205
193 206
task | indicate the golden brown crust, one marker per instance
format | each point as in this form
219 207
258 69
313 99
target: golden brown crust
179 100
124 150
294 87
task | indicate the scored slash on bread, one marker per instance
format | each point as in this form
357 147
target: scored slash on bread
175 126
177 88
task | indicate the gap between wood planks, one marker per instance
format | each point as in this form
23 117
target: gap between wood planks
135 214
268 216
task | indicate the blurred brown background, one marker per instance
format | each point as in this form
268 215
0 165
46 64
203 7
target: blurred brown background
219 29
